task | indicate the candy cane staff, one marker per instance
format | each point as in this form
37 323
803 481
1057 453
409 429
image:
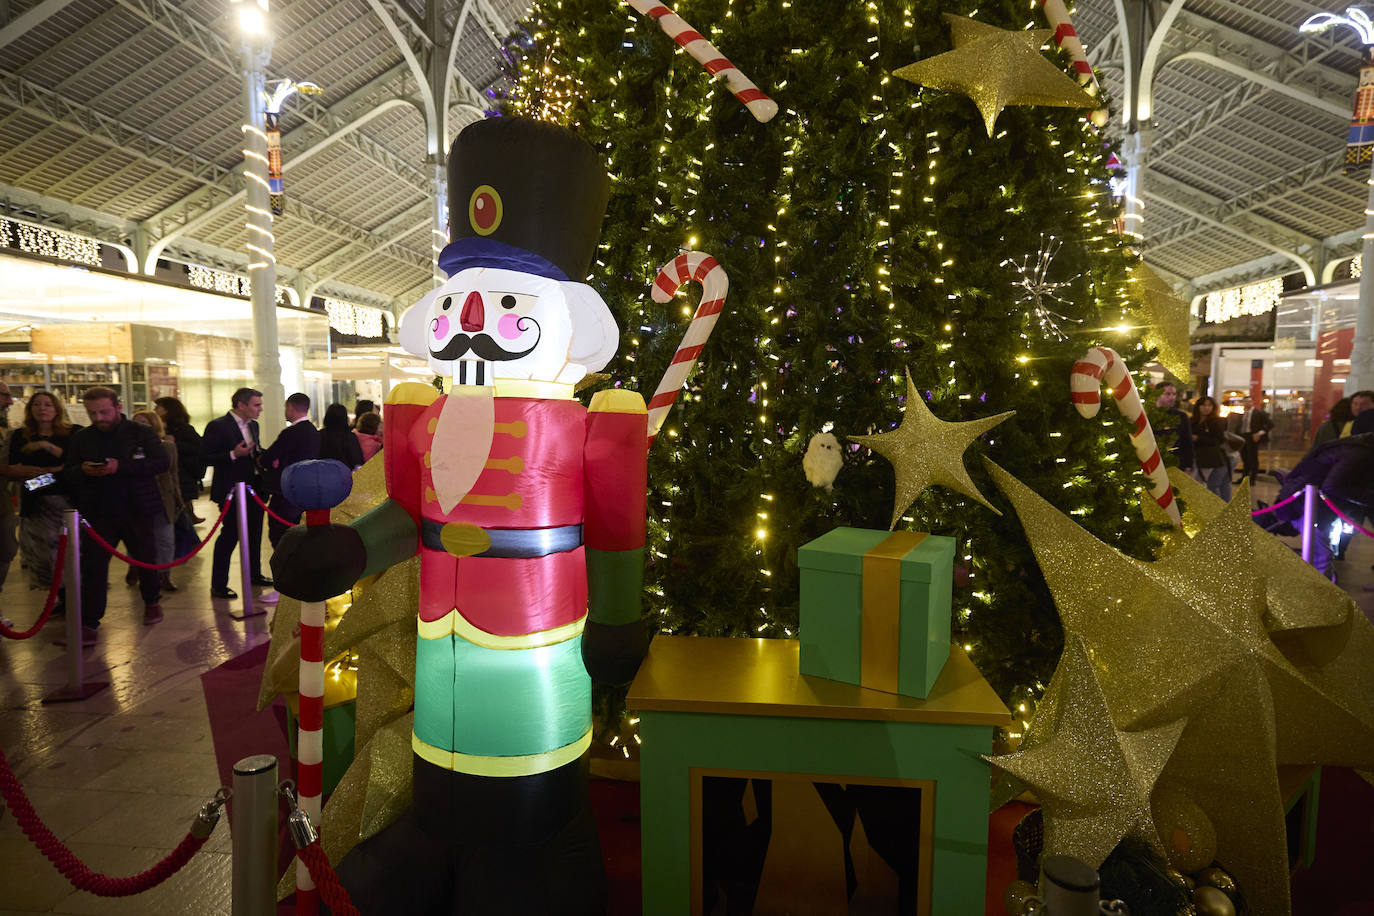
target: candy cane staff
1085 385
527 511
690 40
704 269
1066 38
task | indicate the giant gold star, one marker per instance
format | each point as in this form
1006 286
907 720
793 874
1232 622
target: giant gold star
1093 779
1186 636
996 68
926 450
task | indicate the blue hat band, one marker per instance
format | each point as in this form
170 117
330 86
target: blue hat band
476 252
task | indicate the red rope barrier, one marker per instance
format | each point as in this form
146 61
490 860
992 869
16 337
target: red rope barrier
1345 518
322 873
1277 505
81 877
114 552
52 595
258 499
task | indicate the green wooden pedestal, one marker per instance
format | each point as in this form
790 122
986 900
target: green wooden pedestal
742 706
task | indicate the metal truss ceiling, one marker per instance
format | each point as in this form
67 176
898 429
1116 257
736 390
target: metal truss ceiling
1243 177
121 118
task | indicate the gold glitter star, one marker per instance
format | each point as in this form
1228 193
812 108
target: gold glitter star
1164 320
996 68
1093 779
1186 636
926 450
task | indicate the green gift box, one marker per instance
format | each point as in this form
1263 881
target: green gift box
875 608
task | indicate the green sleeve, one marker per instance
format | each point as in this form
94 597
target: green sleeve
615 580
389 534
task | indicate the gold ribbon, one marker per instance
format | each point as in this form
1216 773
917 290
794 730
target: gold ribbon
882 604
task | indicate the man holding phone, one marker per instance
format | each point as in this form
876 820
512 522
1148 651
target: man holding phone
231 446
110 470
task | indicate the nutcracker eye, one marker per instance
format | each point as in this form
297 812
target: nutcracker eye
447 303
507 301
484 210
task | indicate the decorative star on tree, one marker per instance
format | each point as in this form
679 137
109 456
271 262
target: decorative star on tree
1163 316
1173 639
926 450
996 68
1093 778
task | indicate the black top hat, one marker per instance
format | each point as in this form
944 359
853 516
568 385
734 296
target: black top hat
524 195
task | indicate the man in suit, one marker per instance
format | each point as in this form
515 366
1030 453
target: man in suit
1252 424
231 446
300 441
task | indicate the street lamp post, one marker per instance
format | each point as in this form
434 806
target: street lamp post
1361 374
255 53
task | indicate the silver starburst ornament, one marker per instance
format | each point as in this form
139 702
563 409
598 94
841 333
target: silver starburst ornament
1034 289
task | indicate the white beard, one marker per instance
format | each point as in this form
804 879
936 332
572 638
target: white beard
462 442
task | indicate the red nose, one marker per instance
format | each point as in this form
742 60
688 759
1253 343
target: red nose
472 318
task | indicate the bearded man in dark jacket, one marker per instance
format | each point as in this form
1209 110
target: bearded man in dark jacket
111 470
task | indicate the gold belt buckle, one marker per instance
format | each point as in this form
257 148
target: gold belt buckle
464 539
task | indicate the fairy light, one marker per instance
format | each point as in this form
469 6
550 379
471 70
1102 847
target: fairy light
1252 299
50 243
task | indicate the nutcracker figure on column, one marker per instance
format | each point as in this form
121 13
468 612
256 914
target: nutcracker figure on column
528 512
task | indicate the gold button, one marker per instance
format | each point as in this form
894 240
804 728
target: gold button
433 422
463 539
426 459
430 495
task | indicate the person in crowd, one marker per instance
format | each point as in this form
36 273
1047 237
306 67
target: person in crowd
1178 429
362 409
1336 422
110 470
190 463
169 487
231 446
1343 471
1209 452
1252 424
300 441
337 440
35 455
369 433
1362 413
9 519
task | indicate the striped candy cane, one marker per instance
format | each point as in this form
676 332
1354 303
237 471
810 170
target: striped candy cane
310 738
704 269
760 105
1086 386
1066 37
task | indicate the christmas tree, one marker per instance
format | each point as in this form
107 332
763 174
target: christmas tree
872 227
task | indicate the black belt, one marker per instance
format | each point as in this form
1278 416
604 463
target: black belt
511 542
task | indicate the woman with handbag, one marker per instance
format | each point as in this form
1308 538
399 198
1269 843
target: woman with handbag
35 460
169 487
1209 448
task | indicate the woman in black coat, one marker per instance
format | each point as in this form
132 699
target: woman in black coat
337 440
190 464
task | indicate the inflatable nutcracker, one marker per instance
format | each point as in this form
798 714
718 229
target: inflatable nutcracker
528 512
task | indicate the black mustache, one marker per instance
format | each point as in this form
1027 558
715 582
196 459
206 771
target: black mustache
483 346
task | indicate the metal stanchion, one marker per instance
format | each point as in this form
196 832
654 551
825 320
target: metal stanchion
253 817
1309 520
250 608
76 688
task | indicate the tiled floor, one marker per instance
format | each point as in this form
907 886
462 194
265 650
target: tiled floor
120 776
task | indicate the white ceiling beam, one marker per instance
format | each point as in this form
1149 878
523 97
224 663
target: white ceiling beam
30 18
1236 68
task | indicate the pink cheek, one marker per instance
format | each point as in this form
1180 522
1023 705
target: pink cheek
509 326
441 327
